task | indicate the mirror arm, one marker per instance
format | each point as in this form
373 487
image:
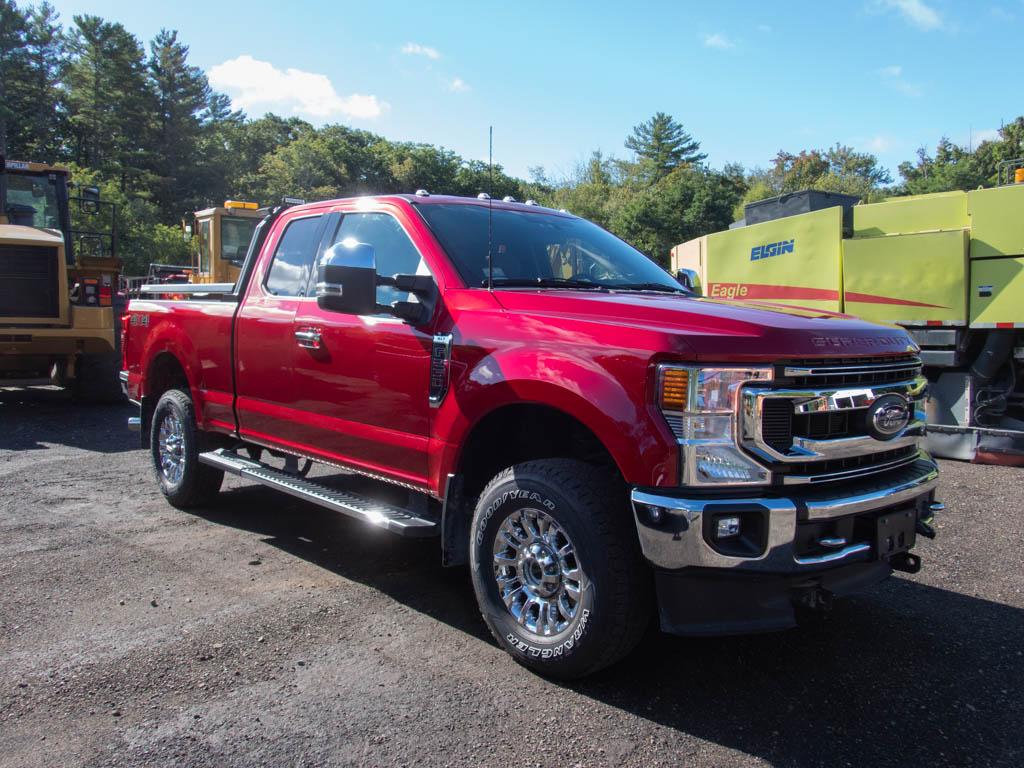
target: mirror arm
421 285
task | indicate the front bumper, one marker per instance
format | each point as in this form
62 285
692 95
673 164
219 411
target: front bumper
801 547
677 536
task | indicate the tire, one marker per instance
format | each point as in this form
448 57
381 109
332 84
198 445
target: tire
596 608
175 446
96 379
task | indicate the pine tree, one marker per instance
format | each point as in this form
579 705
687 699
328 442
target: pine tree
13 29
662 144
182 97
110 102
38 95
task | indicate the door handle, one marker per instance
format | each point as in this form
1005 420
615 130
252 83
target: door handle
308 338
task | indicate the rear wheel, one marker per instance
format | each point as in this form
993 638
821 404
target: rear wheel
96 379
556 568
174 442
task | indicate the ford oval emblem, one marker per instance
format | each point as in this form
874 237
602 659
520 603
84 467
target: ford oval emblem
888 416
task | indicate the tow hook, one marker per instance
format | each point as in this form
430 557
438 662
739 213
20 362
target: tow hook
924 522
814 598
905 562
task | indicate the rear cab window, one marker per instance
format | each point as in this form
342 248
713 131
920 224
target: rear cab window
292 264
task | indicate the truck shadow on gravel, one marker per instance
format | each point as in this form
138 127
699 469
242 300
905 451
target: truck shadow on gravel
908 674
407 570
32 417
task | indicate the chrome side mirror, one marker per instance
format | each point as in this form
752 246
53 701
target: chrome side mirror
347 279
690 280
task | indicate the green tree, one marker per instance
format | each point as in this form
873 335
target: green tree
41 116
182 97
13 67
686 203
836 169
661 145
952 167
110 103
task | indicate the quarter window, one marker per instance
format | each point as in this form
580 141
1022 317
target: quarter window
293 258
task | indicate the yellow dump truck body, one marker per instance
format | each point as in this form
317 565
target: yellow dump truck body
950 259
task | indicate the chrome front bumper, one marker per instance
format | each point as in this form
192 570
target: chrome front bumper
673 534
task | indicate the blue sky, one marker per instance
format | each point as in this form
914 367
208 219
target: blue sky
558 80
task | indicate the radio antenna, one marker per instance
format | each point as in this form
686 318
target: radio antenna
490 199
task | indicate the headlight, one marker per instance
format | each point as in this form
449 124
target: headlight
700 407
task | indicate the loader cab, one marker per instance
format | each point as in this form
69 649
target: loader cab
59 276
221 236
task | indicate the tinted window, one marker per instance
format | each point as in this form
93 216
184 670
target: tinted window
394 251
528 245
293 259
235 234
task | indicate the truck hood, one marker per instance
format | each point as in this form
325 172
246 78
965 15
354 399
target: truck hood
708 328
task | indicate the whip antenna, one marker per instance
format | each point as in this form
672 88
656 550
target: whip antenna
490 196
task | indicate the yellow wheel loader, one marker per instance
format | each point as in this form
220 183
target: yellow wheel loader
59 304
222 238
948 267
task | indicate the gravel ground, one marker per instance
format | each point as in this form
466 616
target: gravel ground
265 631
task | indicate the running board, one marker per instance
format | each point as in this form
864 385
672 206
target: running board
394 519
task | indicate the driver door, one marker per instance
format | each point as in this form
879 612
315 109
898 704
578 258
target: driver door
363 386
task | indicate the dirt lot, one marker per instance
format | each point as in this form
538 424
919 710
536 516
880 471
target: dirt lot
265 631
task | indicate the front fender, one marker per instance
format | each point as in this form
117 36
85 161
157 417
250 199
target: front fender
607 394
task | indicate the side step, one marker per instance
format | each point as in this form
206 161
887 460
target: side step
394 519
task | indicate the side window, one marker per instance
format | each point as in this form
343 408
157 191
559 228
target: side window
394 251
293 258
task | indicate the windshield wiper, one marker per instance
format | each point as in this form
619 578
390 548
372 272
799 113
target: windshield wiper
649 287
545 282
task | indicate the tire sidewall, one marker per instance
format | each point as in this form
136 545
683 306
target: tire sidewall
176 402
575 647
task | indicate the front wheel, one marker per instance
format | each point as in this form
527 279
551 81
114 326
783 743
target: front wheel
174 442
556 568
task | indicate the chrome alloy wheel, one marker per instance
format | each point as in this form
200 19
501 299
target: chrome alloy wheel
539 578
171 448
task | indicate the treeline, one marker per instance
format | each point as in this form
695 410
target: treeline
143 124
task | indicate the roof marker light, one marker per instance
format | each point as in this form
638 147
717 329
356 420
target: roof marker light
422 193
483 196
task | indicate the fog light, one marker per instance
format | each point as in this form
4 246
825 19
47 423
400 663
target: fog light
727 527
656 514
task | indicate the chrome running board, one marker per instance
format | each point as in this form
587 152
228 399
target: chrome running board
393 518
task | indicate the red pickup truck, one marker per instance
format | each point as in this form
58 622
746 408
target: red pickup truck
589 435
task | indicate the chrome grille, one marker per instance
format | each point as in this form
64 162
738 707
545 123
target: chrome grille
863 371
848 468
810 424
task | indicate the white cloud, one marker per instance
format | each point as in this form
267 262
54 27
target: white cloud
415 49
258 85
916 12
986 134
892 76
458 85
879 143
718 40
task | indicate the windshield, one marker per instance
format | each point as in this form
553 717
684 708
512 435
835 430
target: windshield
533 248
235 234
32 200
